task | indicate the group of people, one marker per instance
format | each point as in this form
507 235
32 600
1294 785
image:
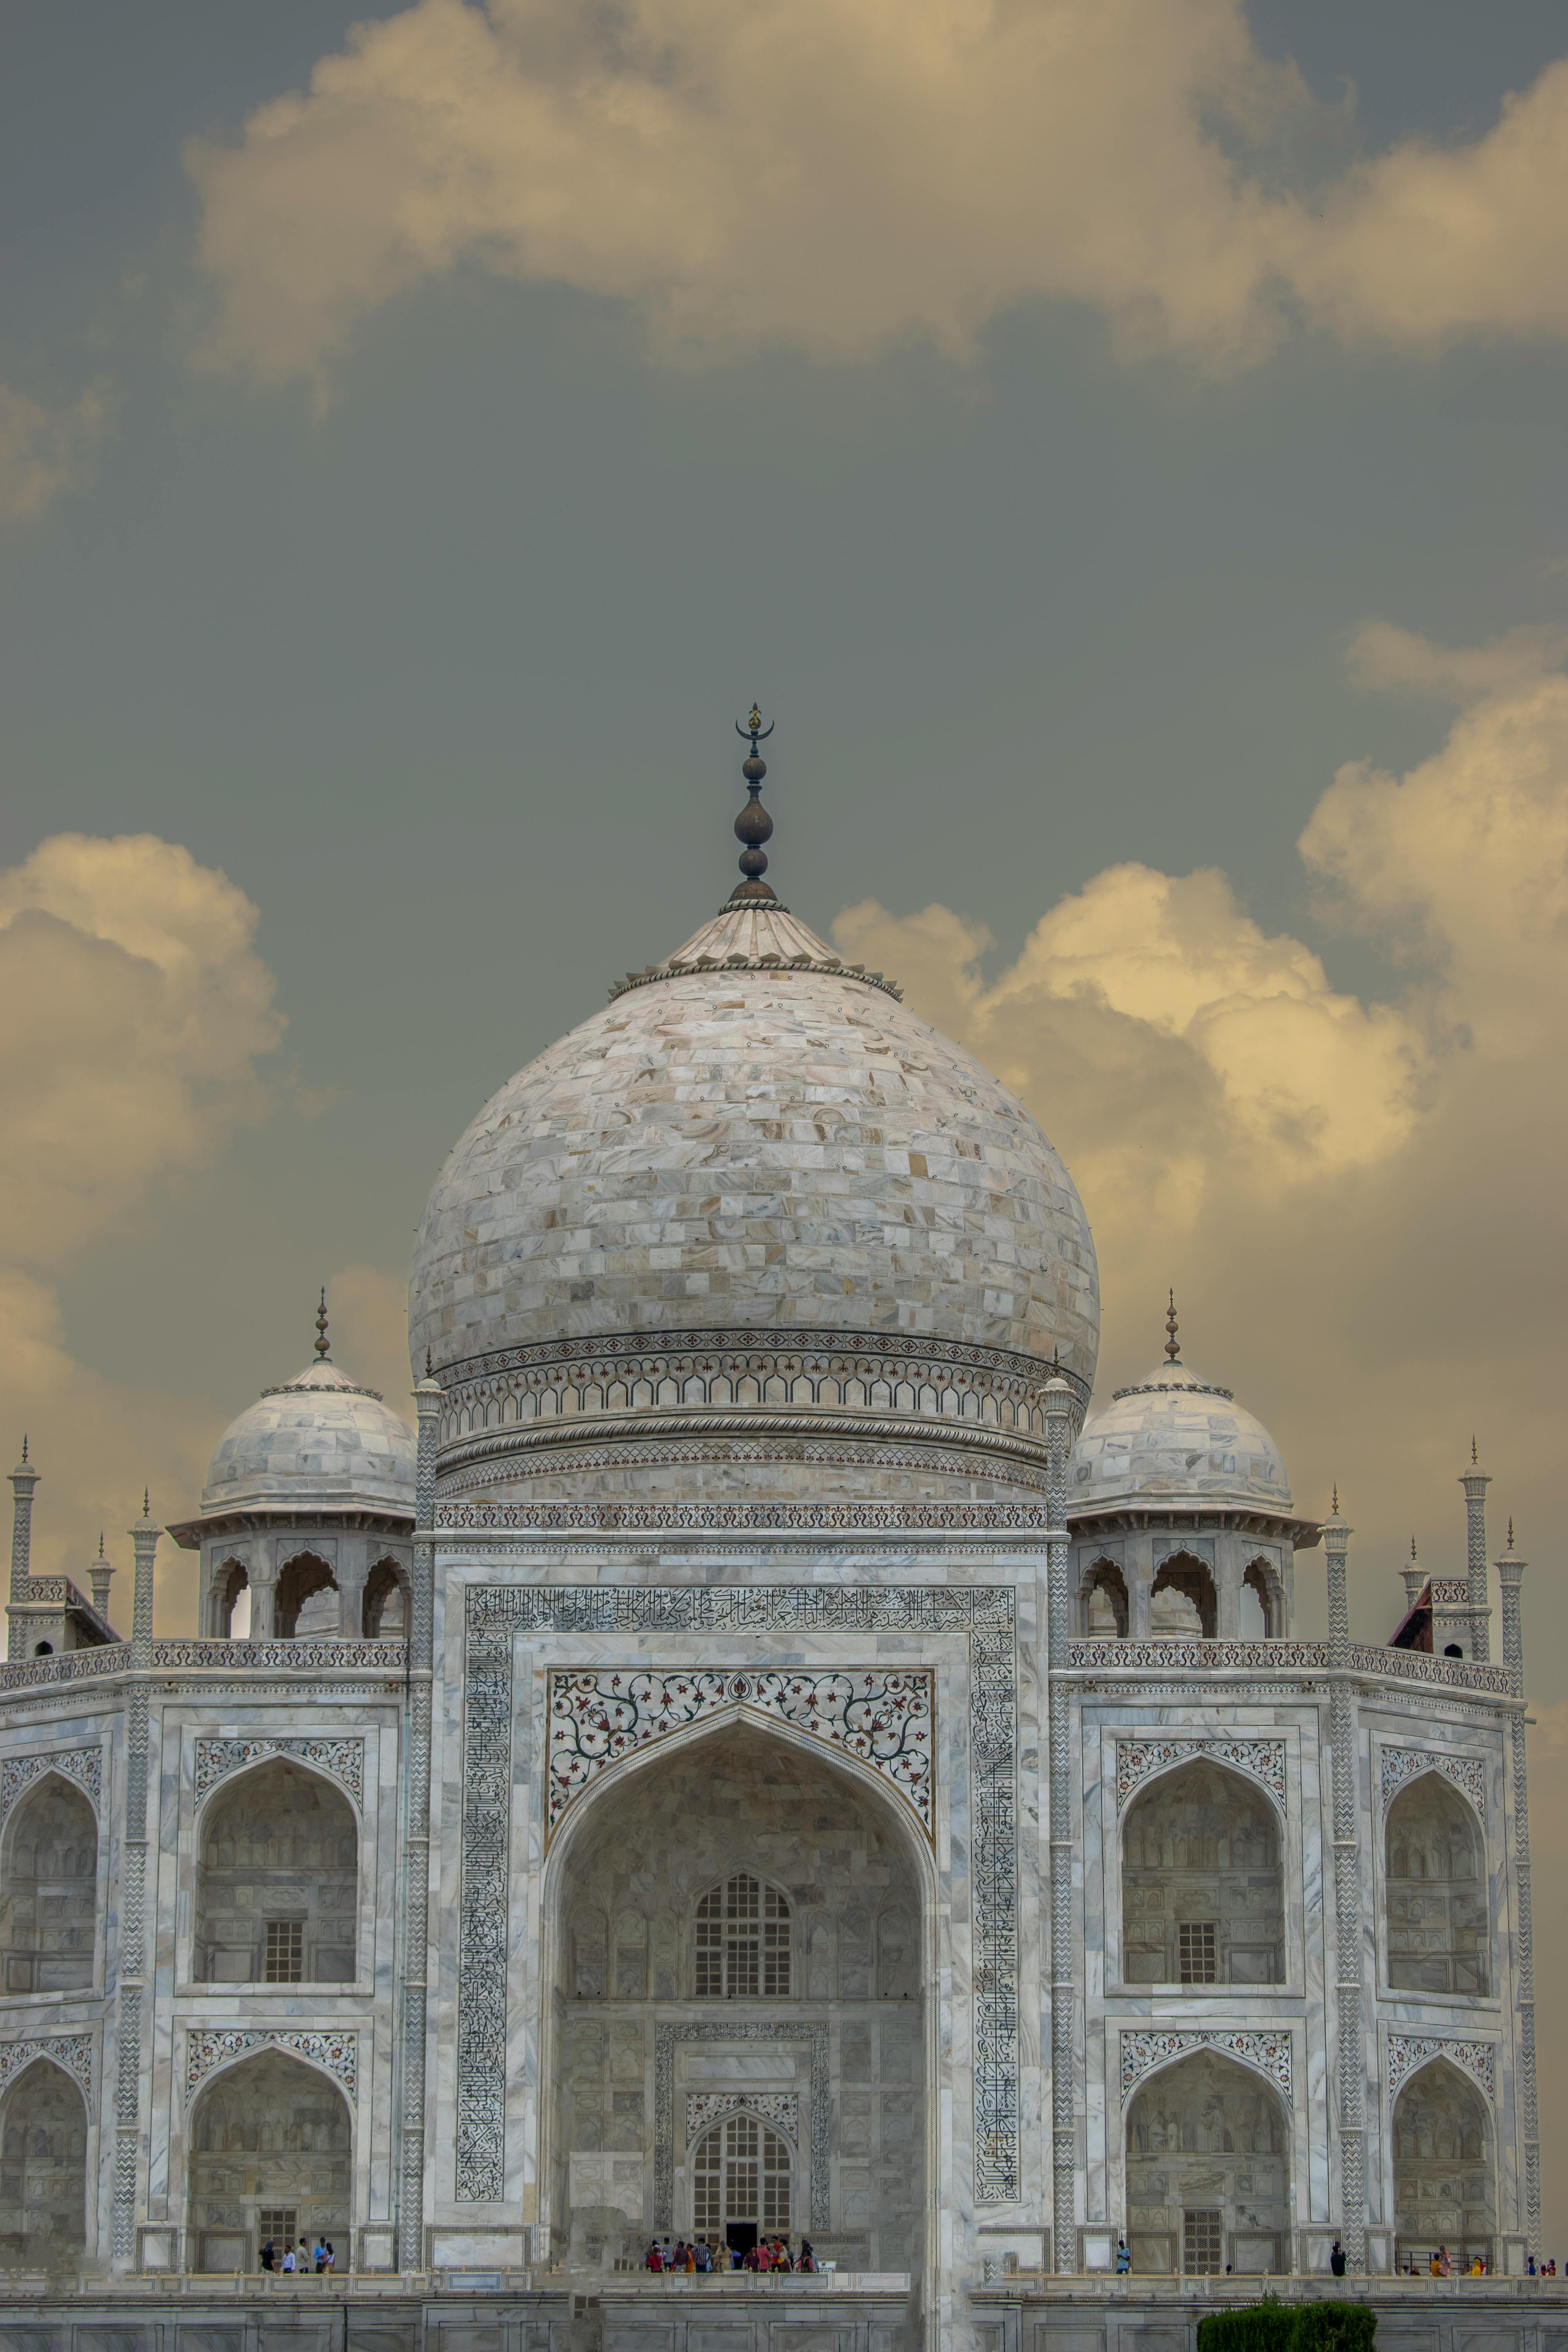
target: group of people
767 2254
321 2258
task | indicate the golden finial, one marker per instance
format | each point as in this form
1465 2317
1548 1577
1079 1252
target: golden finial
1475 1457
1334 1510
430 1367
323 1346
754 826
1511 1532
146 1502
1173 1346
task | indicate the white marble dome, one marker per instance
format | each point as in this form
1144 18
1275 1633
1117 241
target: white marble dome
1175 1438
320 1441
751 1135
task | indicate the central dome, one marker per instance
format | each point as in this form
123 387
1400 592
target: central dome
755 1150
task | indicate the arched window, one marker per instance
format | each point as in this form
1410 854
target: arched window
278 1884
1444 2188
306 1600
741 2176
271 2156
1103 1600
43 2170
1182 1599
383 1611
1436 1869
48 1891
1203 1890
743 1941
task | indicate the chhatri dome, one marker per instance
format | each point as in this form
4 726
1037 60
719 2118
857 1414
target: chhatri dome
1174 1437
320 1442
754 1185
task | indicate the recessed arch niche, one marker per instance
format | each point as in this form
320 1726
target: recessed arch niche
276 1880
1203 1884
1208 2169
43 2170
1103 1607
230 1586
271 2154
48 1890
1436 1879
383 1605
629 1877
1444 2191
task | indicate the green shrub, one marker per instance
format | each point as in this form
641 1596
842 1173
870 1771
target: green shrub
1274 2326
1333 2327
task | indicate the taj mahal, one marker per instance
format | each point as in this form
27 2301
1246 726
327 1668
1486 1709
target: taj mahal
755 1744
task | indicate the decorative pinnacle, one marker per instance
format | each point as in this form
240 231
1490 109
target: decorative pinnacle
24 1446
1511 1532
1413 1549
754 826
1334 1510
430 1367
146 1502
1474 1456
323 1344
1172 1345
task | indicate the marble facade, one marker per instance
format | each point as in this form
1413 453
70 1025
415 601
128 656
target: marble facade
790 1712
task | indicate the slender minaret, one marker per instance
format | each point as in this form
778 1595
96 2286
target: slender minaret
428 1401
24 1478
1060 1403
1510 1572
98 1573
1347 1897
1475 1483
131 1952
1415 1577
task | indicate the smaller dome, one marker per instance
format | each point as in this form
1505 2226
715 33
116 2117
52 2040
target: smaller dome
1175 1438
318 1442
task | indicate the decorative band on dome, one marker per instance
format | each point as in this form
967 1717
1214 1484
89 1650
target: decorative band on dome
827 967
1174 1388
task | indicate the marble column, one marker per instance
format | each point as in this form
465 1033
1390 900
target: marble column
1342 1736
24 1478
416 1834
1510 1572
1059 1401
131 1956
1475 1482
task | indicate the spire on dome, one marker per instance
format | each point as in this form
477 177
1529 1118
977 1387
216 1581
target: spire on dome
754 826
323 1344
1172 1345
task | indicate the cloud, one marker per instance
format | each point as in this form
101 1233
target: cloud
841 175
370 1331
1396 660
44 451
1358 1200
137 1013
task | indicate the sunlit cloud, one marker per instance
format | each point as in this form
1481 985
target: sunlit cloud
843 174
45 451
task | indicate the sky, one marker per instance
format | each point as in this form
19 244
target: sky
1118 442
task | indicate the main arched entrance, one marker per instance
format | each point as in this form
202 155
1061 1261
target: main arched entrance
740 2010
1444 2191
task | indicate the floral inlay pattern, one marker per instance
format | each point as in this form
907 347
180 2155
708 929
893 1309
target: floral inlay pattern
882 1719
1269 2052
73 2051
82 1764
344 1758
1403 1765
211 2047
781 2108
1409 2052
1261 1759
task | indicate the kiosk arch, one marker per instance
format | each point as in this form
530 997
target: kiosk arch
1209 2183
270 2154
43 2169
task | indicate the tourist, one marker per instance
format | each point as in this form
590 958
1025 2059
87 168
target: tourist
331 2258
268 2255
653 2260
703 2253
1445 2263
1337 2259
319 2257
678 2260
1529 2267
1123 2259
751 2260
807 2256
288 2258
1477 2267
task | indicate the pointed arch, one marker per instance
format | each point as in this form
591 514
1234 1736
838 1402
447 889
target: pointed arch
230 1578
270 2136
277 1893
43 2168
1183 1598
1202 1882
384 1607
1444 2165
1207 2154
1437 1896
302 1580
1261 1577
1103 1606
49 1889
742 2179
